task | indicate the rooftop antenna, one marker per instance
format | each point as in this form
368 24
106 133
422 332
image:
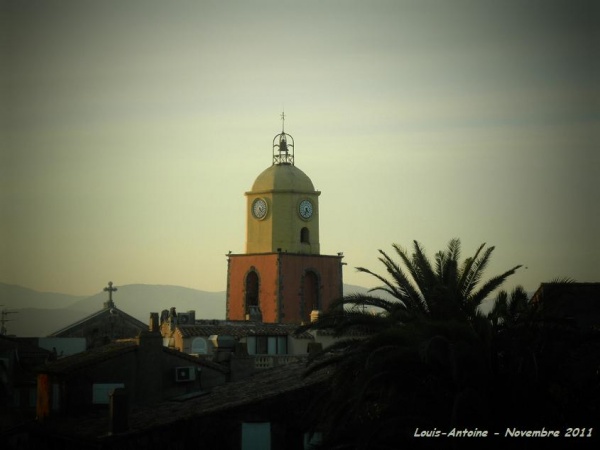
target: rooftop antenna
3 319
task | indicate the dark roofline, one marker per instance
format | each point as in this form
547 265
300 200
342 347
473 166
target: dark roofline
241 329
106 352
20 344
562 285
89 357
197 360
263 386
77 324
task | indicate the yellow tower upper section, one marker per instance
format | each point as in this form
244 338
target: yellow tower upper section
283 206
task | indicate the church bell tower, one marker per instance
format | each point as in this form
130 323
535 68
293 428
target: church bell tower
282 277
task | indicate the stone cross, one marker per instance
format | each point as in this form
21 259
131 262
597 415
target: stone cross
110 289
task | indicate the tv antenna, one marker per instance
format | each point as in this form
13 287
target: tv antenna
3 319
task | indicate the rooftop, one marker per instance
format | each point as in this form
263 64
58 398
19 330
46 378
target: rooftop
96 315
239 329
99 354
264 385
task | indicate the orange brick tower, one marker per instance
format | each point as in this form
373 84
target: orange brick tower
282 277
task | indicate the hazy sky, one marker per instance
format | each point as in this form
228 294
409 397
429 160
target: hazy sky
130 131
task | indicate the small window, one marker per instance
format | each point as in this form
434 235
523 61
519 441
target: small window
251 343
101 392
55 397
305 236
261 345
256 436
282 345
267 345
312 441
199 346
272 345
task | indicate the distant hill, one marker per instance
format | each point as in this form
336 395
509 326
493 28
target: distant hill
139 300
39 322
13 296
42 313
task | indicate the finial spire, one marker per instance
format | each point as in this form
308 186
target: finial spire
283 121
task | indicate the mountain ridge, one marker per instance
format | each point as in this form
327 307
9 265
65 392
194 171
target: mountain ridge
41 313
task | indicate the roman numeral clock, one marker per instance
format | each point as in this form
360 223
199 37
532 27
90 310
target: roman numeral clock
282 277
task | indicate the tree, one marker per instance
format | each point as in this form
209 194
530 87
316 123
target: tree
419 358
544 367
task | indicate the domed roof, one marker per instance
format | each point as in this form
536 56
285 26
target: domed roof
284 177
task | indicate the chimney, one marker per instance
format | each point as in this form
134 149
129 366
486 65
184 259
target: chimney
172 318
150 339
118 414
153 327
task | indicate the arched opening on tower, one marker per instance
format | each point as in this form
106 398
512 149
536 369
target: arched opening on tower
252 303
310 294
305 235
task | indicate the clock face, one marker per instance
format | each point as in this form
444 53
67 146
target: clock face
306 209
259 208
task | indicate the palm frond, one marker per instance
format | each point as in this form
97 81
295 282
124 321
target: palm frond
362 300
408 293
387 285
490 286
466 271
332 355
499 309
562 280
476 269
419 302
422 271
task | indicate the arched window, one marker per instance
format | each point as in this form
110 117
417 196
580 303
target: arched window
305 236
310 294
251 292
199 346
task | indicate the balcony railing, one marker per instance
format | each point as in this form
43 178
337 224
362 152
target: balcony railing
268 361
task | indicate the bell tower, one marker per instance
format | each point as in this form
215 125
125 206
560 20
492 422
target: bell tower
283 206
282 277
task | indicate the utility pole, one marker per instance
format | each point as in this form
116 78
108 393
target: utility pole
3 319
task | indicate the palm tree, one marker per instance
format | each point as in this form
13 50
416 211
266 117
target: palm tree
417 358
445 290
441 290
544 367
508 311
